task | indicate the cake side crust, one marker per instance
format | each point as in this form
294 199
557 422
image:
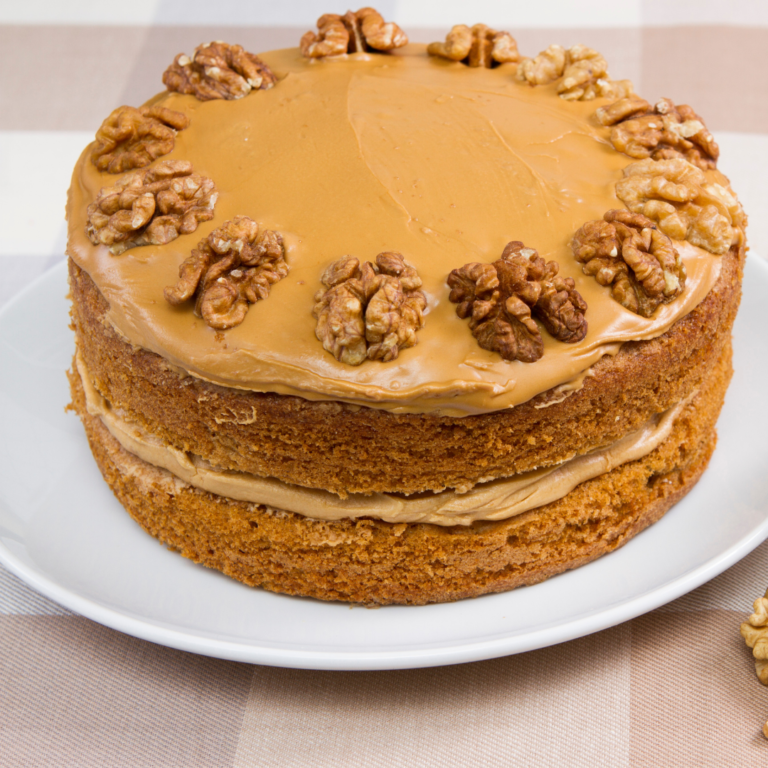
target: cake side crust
368 561
351 449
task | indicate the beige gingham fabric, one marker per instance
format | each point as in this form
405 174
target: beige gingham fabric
675 687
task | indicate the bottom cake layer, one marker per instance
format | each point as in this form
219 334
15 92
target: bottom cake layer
374 562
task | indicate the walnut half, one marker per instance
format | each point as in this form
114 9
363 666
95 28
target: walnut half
133 138
477 46
684 204
501 300
218 71
627 251
369 312
582 72
151 207
661 132
354 32
755 633
234 267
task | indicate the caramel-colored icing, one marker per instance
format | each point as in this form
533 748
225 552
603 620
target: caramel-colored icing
496 500
383 152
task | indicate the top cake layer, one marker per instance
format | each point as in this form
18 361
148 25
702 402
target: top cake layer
369 153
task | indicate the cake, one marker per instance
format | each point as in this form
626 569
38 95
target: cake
387 323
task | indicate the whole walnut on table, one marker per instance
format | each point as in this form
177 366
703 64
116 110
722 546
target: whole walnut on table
369 312
133 138
218 71
755 633
627 251
501 300
151 206
354 32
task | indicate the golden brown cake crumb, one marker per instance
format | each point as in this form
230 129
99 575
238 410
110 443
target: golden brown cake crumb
369 561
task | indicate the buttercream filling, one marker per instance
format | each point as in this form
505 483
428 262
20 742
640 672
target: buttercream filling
441 162
495 500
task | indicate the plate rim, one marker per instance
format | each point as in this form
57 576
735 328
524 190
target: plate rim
461 652
188 641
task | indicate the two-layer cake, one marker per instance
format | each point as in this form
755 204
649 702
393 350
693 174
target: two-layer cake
400 325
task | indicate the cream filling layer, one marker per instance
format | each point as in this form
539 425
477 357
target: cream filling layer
495 500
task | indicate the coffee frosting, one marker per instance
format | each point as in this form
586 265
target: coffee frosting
372 152
496 500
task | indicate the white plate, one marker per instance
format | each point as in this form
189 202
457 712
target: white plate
63 532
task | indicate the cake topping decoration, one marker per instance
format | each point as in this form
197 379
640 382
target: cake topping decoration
151 207
133 138
477 46
218 71
458 378
661 132
235 266
369 312
500 298
582 71
354 32
627 250
679 198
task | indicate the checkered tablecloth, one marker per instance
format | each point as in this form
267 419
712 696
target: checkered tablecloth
675 687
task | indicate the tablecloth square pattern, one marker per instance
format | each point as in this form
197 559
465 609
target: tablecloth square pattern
75 694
